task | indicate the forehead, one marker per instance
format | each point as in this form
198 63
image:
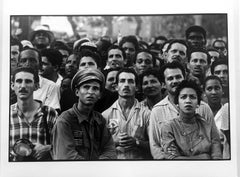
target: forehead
24 75
199 55
219 44
15 47
172 72
195 33
188 91
128 45
211 82
72 57
29 54
144 55
221 67
87 59
125 75
115 51
178 46
213 53
149 77
112 74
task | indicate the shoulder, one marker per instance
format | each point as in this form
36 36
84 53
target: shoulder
162 103
47 83
107 112
98 116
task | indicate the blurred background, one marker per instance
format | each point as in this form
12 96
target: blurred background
70 28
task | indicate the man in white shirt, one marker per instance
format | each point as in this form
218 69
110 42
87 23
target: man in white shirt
48 91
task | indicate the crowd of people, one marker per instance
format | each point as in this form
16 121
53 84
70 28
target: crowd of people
124 99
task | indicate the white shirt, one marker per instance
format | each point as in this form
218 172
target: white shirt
47 93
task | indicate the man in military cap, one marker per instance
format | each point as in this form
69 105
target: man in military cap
81 133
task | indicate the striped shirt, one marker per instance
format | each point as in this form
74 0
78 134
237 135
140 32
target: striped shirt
34 131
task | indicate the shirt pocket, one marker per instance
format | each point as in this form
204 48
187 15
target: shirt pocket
78 138
201 144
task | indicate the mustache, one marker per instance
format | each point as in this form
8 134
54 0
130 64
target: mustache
23 91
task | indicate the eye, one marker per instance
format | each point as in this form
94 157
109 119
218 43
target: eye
193 97
183 96
217 72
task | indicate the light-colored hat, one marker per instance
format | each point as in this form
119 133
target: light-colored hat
79 42
87 75
26 43
42 28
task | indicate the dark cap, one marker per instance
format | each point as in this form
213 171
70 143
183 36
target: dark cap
87 75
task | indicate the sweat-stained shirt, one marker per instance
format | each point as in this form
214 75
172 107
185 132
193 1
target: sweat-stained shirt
78 137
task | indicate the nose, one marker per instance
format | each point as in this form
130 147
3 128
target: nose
188 100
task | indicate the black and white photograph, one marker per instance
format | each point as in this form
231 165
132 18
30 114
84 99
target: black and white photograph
113 94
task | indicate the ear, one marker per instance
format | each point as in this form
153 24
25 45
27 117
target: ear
36 86
76 92
12 85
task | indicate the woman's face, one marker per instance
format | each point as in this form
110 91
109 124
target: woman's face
213 91
188 101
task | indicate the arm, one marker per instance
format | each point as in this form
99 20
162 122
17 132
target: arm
108 146
63 142
53 99
154 136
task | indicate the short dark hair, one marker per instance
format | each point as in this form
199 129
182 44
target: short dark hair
60 45
172 65
209 49
199 49
88 53
219 40
196 28
107 71
221 61
127 70
180 41
130 38
148 72
211 77
188 84
117 47
15 41
145 51
53 56
28 70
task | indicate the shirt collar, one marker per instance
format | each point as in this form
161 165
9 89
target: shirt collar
136 105
81 117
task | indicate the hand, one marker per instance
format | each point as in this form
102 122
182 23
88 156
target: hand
41 151
173 150
126 141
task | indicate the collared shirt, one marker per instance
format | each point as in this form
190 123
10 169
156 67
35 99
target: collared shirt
78 137
34 131
190 138
135 125
47 93
165 111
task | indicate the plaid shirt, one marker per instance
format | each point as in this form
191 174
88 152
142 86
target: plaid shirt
35 131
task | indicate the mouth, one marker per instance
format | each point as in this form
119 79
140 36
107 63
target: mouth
188 107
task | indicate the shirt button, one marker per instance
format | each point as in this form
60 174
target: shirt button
184 133
191 150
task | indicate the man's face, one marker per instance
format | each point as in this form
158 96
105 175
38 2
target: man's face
196 39
87 62
24 85
222 72
151 86
14 56
71 66
41 38
115 58
198 64
47 67
173 77
65 55
111 81
144 61
188 101
214 55
130 51
88 93
65 85
177 52
29 58
126 85
214 92
220 46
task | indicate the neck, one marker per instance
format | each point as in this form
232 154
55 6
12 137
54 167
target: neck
53 77
84 109
152 100
187 118
215 107
171 98
26 105
126 103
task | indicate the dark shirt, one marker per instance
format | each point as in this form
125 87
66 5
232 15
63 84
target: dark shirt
78 137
